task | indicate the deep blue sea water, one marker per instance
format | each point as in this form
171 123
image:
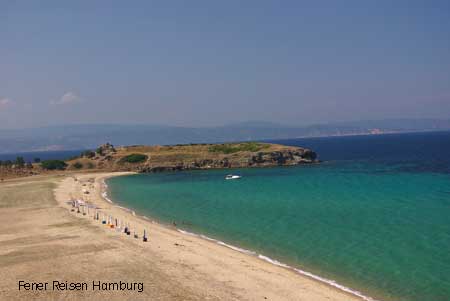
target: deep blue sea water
43 155
374 216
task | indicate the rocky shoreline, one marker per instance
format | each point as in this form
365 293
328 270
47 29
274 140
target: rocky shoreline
260 159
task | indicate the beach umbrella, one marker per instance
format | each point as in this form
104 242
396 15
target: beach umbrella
119 226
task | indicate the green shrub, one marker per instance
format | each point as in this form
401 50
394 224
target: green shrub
77 165
90 165
234 148
20 162
134 158
54 164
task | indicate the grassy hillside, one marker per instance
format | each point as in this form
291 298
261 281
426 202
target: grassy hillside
192 156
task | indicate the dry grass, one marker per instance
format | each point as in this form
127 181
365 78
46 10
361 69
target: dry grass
237 154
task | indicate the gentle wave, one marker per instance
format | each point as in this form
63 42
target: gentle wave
126 209
318 278
277 263
260 256
104 190
105 196
218 242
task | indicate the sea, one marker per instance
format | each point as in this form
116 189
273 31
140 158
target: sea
42 155
372 218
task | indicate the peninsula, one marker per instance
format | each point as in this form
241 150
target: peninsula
191 156
142 159
172 266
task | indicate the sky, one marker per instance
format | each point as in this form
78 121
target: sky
207 63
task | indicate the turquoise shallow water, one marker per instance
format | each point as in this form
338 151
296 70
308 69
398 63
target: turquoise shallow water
377 225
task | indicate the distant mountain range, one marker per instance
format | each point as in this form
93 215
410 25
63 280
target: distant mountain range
88 136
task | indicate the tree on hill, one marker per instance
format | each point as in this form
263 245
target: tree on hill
99 151
105 149
37 160
20 162
54 165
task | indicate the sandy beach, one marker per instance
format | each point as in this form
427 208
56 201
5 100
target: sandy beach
42 240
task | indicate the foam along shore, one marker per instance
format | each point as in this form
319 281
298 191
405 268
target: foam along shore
229 253
172 264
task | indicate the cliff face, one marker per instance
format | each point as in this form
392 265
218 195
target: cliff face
198 156
283 157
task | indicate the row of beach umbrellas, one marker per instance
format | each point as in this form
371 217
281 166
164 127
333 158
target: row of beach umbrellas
114 223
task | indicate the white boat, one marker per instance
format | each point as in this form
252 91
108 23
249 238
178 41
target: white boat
232 177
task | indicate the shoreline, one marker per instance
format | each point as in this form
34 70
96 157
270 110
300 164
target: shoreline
43 231
254 254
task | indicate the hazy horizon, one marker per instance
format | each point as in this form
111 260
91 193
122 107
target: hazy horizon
250 123
209 64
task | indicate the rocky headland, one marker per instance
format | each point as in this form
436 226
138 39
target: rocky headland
146 159
193 156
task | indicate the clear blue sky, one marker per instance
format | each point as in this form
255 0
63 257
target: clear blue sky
201 63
